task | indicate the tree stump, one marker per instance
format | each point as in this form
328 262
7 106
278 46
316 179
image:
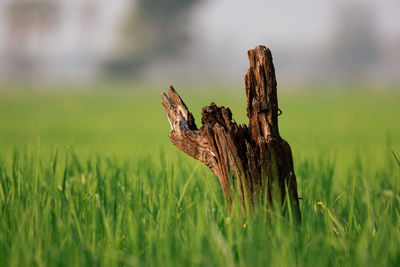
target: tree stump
253 160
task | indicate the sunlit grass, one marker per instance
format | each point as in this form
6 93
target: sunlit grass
89 178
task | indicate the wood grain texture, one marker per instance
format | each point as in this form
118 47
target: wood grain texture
253 160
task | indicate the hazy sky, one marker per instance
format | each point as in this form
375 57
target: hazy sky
304 22
220 33
223 30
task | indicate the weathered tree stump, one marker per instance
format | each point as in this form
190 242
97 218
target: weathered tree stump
254 159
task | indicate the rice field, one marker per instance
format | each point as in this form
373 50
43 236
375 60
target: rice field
89 178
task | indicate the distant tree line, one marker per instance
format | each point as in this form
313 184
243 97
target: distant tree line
153 30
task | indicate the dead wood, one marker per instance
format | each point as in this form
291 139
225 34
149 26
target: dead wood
255 157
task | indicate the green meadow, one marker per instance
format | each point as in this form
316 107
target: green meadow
89 178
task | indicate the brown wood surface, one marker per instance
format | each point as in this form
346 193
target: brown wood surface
253 160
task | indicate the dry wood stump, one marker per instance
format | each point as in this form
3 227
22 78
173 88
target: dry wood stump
252 160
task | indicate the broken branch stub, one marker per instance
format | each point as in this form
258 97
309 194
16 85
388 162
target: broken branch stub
255 157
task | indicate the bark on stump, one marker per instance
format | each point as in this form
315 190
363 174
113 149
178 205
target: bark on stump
253 159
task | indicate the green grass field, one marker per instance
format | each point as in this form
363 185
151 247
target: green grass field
90 178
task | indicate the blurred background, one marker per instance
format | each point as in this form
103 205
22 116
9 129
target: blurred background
75 41
88 74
